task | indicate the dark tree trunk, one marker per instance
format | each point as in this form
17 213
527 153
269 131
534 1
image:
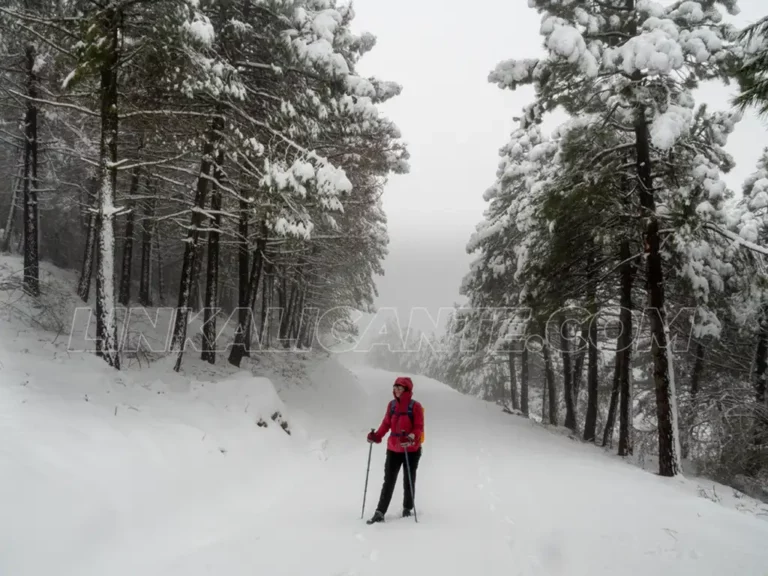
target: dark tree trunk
125 277
145 282
106 324
282 289
544 397
524 380
192 244
244 324
663 375
160 266
570 409
578 365
11 218
266 304
212 272
298 316
513 381
625 377
305 324
287 319
196 296
31 220
761 376
610 421
761 359
590 420
86 271
308 324
666 405
549 374
243 276
698 368
99 304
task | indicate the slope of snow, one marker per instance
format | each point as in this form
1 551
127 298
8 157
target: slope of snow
150 472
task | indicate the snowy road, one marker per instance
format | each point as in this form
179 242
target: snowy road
185 484
496 495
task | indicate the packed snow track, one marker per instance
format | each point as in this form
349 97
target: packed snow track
184 484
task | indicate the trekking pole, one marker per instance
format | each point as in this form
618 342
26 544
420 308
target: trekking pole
365 492
410 481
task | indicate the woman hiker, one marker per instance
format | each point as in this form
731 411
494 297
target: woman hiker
405 418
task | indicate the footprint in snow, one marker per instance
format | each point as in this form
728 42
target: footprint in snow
375 556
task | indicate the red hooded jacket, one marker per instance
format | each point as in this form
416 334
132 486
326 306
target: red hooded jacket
400 423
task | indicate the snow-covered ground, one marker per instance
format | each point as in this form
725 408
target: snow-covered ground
155 473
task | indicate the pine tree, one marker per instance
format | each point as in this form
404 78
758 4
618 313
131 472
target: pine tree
626 57
753 71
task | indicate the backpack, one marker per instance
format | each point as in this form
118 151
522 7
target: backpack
393 405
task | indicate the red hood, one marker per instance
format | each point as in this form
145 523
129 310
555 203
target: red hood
406 396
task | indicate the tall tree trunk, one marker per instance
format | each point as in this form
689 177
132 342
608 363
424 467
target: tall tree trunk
266 304
698 368
287 319
578 365
244 324
610 421
293 331
513 380
145 282
298 316
160 266
106 324
544 397
11 218
570 409
212 272
196 296
283 301
760 379
86 271
31 220
243 276
524 379
191 245
549 373
663 373
761 358
625 377
308 325
99 304
282 288
125 277
590 420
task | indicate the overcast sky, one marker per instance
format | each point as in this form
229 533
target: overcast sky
454 123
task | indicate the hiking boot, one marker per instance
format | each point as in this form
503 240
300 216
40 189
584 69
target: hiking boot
377 517
406 512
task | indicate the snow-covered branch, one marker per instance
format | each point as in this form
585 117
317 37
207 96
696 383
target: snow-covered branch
738 240
66 105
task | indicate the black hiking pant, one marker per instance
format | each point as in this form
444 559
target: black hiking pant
392 465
